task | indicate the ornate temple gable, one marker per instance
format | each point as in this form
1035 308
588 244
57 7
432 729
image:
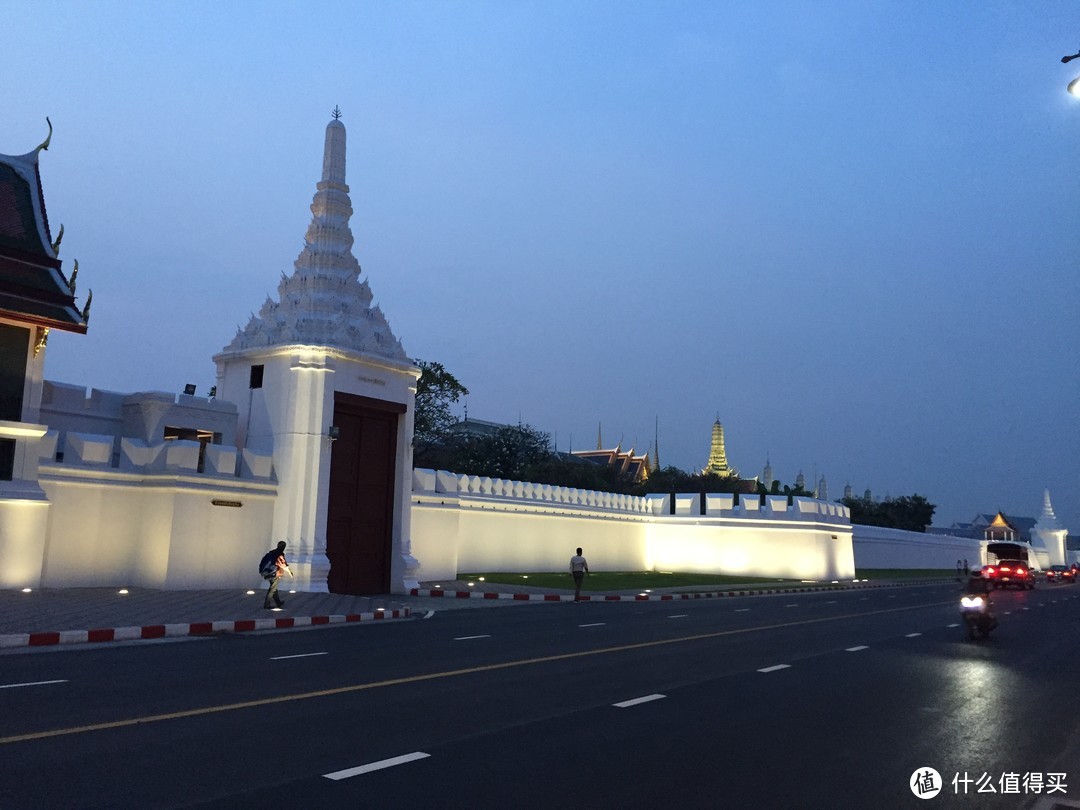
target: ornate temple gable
324 302
32 287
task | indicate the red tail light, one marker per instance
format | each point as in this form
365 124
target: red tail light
990 571
1020 570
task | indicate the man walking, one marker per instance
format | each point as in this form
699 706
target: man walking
578 569
273 601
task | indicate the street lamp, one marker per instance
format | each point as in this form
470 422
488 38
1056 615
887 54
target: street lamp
1074 85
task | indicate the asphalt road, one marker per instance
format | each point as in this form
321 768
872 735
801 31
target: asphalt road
809 700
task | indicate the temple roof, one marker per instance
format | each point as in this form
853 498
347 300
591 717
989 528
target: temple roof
32 287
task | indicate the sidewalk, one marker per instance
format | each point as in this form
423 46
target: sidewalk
51 616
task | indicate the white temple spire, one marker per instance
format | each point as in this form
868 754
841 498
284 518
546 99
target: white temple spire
1047 519
324 302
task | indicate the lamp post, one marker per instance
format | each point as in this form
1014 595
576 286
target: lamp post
1074 85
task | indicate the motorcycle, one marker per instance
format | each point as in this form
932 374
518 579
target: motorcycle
975 611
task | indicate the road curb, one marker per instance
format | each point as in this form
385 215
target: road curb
154 631
665 597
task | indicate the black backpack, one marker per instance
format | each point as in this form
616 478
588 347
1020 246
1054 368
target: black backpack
268 565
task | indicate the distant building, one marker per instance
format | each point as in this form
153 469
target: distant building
628 463
718 463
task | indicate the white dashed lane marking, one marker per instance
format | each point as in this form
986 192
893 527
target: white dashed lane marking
303 655
679 616
743 610
594 624
953 625
32 683
794 605
775 668
856 649
912 635
376 766
647 699
470 638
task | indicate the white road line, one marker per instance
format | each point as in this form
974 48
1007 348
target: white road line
856 649
952 625
795 605
594 624
34 683
429 614
375 766
912 635
831 602
470 638
679 616
864 598
304 655
743 610
636 701
773 669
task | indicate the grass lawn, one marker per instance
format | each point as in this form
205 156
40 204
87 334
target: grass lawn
609 581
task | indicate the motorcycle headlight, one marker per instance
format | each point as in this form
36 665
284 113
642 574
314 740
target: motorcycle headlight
972 601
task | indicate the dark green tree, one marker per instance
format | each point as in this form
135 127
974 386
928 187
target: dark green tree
912 513
436 390
508 453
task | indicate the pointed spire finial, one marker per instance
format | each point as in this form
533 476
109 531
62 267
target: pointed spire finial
86 308
48 139
337 112
74 275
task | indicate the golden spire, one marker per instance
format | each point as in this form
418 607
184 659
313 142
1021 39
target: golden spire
718 463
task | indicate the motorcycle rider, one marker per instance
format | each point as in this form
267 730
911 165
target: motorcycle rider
978 585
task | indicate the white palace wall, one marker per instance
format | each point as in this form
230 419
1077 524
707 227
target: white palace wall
119 509
466 523
878 547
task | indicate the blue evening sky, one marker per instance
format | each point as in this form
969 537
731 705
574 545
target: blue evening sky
849 228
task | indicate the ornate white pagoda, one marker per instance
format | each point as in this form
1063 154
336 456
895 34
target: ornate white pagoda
317 373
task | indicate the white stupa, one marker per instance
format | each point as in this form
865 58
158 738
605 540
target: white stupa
1048 534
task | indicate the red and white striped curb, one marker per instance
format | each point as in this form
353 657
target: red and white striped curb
641 597
152 631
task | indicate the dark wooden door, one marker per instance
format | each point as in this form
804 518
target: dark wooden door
360 512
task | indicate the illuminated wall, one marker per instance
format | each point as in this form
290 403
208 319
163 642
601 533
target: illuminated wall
878 547
466 523
153 522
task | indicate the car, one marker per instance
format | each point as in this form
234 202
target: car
1006 573
1060 573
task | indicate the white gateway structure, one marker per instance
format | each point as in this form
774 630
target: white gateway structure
322 385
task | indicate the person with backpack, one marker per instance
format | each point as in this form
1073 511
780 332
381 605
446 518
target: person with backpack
272 567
